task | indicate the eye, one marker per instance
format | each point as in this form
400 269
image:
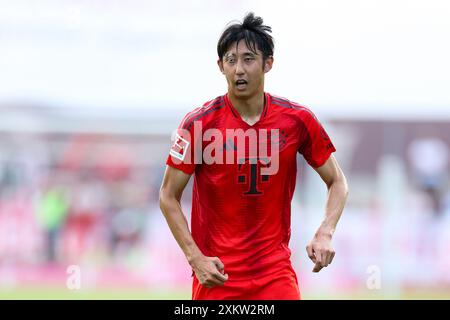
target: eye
248 59
231 59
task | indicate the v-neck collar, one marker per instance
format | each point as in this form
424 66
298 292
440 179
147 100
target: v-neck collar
238 116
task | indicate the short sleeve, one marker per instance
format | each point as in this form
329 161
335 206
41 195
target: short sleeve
315 145
181 154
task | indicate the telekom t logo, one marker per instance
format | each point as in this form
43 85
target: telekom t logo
252 174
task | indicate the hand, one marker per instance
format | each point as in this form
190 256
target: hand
209 271
320 251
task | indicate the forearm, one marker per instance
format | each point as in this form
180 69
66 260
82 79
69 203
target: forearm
171 208
337 196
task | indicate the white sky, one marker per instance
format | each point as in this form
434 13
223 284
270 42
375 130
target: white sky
348 57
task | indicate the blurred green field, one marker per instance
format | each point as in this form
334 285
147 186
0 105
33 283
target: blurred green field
48 293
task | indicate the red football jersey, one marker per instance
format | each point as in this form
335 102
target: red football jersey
239 213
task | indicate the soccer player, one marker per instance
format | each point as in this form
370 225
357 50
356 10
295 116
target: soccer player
241 204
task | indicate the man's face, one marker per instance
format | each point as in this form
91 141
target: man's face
244 70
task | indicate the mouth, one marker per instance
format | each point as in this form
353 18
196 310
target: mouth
241 84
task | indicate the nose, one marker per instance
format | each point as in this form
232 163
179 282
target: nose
239 67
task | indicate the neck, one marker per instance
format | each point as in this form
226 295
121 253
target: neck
248 107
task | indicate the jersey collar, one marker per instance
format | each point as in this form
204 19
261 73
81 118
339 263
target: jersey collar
238 116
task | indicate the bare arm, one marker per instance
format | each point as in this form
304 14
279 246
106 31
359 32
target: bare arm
209 270
320 250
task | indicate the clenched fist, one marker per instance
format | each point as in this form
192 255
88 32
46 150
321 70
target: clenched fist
320 251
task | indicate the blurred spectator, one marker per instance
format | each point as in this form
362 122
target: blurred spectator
429 159
88 206
128 216
52 208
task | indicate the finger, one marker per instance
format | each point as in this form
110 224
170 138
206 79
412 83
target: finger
319 258
310 253
218 264
221 277
329 258
317 267
216 280
212 282
332 256
326 258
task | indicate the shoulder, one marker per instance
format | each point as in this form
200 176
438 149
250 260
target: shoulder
205 113
294 109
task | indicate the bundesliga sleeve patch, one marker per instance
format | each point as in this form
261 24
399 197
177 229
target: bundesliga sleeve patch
179 148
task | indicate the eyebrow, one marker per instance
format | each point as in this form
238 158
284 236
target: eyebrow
248 53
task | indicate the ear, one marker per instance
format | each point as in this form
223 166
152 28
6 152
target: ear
268 64
220 64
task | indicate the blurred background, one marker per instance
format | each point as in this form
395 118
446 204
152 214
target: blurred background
90 92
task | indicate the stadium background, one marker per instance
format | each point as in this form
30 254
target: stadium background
90 92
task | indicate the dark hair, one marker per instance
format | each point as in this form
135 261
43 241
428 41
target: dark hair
253 31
